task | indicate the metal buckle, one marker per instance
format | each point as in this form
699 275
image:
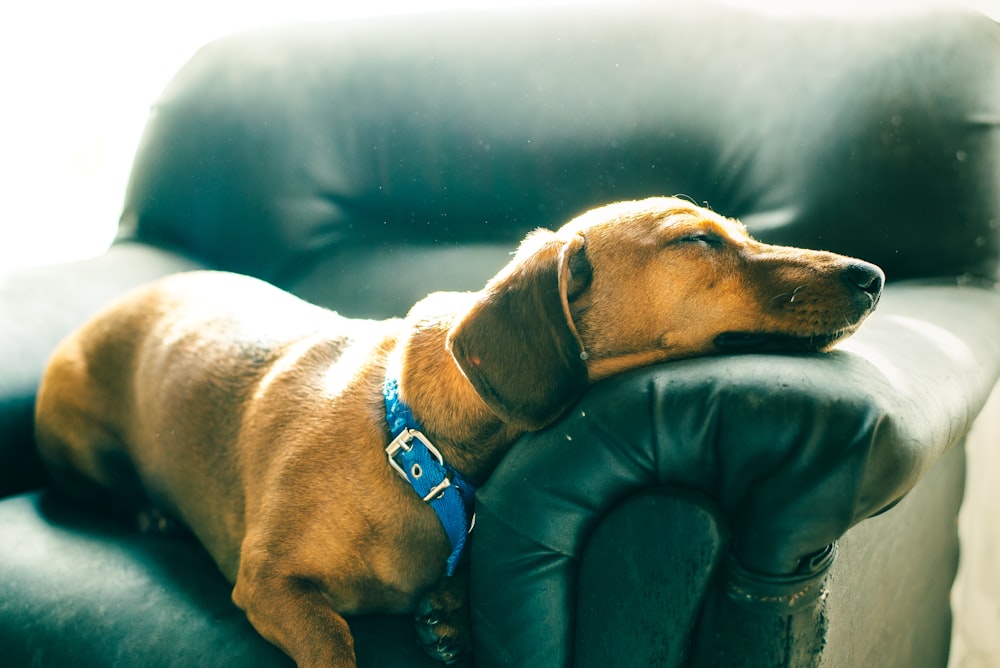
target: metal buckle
404 443
438 490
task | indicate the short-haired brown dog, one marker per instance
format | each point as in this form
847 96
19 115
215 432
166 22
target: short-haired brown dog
259 421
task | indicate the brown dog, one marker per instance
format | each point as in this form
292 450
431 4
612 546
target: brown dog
260 421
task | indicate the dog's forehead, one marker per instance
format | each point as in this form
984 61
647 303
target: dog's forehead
700 221
653 221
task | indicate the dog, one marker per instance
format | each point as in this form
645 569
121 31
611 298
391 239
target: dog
309 453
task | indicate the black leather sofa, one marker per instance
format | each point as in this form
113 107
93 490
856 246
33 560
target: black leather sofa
711 512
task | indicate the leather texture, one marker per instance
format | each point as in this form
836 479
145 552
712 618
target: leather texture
792 463
79 589
706 512
849 131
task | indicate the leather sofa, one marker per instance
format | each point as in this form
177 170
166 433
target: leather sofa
747 510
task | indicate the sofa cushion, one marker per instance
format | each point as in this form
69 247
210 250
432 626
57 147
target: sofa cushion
83 589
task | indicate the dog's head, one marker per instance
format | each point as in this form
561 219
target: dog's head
635 283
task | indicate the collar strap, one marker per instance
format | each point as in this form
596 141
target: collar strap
417 461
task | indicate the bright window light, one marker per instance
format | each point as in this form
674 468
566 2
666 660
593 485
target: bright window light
79 79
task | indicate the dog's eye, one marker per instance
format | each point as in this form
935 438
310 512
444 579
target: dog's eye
703 238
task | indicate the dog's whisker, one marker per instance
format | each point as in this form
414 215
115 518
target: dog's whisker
787 296
790 295
780 296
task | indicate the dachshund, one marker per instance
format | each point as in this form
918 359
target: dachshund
328 465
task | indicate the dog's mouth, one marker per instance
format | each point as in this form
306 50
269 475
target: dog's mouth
756 342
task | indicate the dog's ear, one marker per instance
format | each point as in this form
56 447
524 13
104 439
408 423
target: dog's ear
518 345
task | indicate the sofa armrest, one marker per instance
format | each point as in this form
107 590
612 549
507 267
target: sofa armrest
792 450
38 307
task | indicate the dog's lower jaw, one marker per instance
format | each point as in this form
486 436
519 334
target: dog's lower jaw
601 367
777 342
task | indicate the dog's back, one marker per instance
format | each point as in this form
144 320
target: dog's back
125 399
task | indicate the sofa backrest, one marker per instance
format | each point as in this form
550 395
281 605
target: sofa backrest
875 135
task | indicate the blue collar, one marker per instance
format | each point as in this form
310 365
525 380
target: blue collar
418 462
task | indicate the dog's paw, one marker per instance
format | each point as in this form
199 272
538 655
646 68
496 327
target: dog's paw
443 628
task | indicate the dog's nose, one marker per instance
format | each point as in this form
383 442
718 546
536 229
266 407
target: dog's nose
865 276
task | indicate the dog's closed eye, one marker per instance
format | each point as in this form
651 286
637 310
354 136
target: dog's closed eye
707 239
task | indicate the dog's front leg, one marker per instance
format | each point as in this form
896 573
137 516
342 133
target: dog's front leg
442 618
292 613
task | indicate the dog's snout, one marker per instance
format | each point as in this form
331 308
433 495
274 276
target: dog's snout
867 277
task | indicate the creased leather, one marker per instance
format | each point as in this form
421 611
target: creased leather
793 461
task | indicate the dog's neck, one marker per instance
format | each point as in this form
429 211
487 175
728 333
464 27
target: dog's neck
469 435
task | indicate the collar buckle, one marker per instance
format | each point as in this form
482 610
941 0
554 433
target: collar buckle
415 459
403 444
